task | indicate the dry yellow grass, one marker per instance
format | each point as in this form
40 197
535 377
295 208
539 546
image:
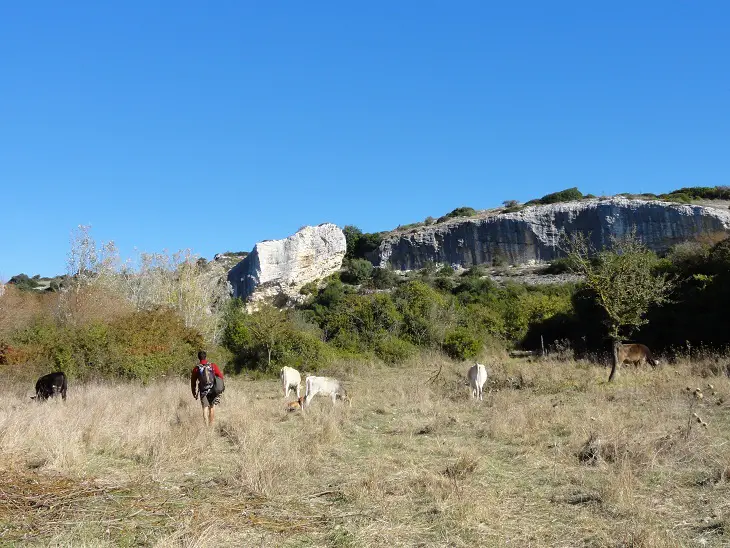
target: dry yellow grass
408 464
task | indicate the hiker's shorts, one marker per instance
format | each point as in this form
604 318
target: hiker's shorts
207 399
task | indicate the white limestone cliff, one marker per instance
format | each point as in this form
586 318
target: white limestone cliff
532 234
276 270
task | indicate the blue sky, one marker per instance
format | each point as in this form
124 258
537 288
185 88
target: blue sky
170 125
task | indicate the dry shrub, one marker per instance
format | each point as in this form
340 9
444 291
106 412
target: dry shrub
83 305
18 309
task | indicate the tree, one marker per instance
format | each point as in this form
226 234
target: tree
623 281
358 271
352 235
268 326
460 344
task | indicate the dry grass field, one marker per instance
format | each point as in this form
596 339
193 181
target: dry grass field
409 463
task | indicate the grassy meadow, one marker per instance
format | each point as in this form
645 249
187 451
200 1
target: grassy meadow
553 456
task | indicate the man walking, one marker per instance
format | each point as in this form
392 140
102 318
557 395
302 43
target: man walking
202 382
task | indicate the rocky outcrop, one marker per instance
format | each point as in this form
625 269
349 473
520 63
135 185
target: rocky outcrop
276 270
532 234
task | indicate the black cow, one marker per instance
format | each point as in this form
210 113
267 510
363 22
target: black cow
51 385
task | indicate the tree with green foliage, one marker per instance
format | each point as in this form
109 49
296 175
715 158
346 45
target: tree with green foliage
384 278
623 280
268 327
358 243
460 344
24 282
357 271
352 235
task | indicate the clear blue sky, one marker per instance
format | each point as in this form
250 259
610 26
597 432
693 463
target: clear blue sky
168 125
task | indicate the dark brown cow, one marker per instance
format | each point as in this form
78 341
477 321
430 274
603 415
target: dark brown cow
632 353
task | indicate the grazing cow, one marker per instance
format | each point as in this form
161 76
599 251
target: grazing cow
295 405
290 378
477 376
633 353
49 386
326 386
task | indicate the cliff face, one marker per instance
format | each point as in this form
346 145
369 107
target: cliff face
531 235
276 270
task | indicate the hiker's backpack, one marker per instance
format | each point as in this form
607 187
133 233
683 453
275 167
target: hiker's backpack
218 386
206 377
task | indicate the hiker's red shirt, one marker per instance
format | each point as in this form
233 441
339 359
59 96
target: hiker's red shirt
194 375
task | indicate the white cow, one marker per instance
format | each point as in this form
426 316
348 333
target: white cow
477 376
290 378
324 385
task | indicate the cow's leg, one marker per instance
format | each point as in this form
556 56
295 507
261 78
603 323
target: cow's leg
298 389
334 398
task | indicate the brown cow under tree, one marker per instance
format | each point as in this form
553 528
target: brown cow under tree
632 353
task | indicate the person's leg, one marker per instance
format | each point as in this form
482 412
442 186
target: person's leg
212 415
206 408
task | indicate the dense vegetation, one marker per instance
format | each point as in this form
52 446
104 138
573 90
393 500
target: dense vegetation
366 312
105 319
108 320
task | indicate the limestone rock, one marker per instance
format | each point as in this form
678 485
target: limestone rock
276 270
532 234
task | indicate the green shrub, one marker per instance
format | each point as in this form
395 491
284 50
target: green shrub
558 266
444 283
393 350
698 193
357 271
476 271
567 195
424 311
460 344
446 270
680 198
384 278
458 212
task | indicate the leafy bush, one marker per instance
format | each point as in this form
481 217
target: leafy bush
357 271
567 195
24 282
558 266
458 212
476 271
679 197
393 350
688 194
384 278
141 345
460 344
